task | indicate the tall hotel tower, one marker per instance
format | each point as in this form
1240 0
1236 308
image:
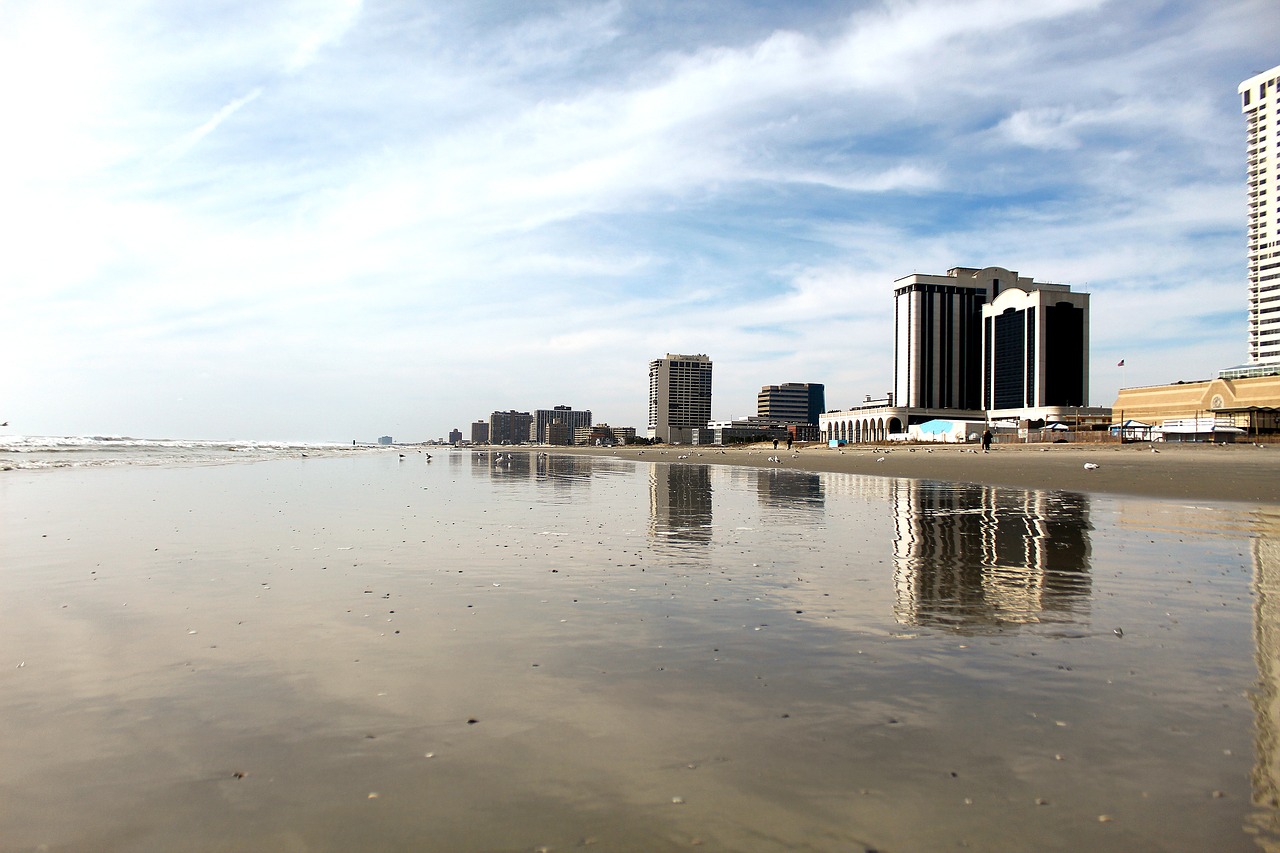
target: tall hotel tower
1261 107
983 340
679 397
937 347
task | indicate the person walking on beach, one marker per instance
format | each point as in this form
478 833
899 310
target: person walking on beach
986 440
775 444
788 443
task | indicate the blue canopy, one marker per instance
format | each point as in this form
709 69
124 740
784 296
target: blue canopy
936 426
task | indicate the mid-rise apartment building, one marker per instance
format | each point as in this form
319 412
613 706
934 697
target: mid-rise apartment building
566 417
791 402
509 427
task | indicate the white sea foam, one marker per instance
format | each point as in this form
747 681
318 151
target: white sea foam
27 452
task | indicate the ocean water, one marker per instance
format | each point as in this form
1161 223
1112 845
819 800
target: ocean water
31 452
523 652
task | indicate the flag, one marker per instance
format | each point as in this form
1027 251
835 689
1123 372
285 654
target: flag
1120 363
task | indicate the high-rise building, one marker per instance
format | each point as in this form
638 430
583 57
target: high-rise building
791 402
946 358
480 432
509 427
1261 106
679 397
455 436
568 419
937 346
1035 350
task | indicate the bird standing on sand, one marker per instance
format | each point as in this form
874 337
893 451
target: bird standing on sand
1090 466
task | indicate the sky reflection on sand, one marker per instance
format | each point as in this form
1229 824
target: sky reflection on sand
804 661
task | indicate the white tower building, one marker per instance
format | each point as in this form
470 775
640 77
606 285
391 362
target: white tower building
1261 107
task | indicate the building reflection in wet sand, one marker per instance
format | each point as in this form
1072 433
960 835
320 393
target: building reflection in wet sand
1266 698
976 557
502 464
680 504
788 491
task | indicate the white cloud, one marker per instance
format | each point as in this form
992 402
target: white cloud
321 30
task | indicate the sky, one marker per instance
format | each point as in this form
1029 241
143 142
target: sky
335 219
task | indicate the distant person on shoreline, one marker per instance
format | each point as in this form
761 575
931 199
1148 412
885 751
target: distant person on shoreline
986 440
775 444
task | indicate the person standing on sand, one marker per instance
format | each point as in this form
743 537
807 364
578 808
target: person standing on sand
775 444
788 443
986 440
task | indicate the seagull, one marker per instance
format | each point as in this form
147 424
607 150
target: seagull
881 459
1090 466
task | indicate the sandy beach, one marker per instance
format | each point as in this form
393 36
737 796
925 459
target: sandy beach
1240 472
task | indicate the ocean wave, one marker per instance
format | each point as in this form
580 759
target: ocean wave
36 452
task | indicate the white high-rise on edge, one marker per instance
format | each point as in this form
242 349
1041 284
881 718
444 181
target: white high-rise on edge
1261 107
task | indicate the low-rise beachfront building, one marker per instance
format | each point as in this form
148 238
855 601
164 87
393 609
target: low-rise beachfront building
745 430
603 434
623 435
1251 404
880 420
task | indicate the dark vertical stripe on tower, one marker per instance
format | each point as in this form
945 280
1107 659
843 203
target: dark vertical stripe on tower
1030 398
988 401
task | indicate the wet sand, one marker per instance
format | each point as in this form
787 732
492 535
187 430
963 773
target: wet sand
1241 472
574 652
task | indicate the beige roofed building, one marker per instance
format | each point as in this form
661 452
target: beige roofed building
1251 404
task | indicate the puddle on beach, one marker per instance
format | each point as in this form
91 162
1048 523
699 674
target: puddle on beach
483 653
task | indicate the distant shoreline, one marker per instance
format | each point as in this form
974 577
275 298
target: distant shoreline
1234 472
